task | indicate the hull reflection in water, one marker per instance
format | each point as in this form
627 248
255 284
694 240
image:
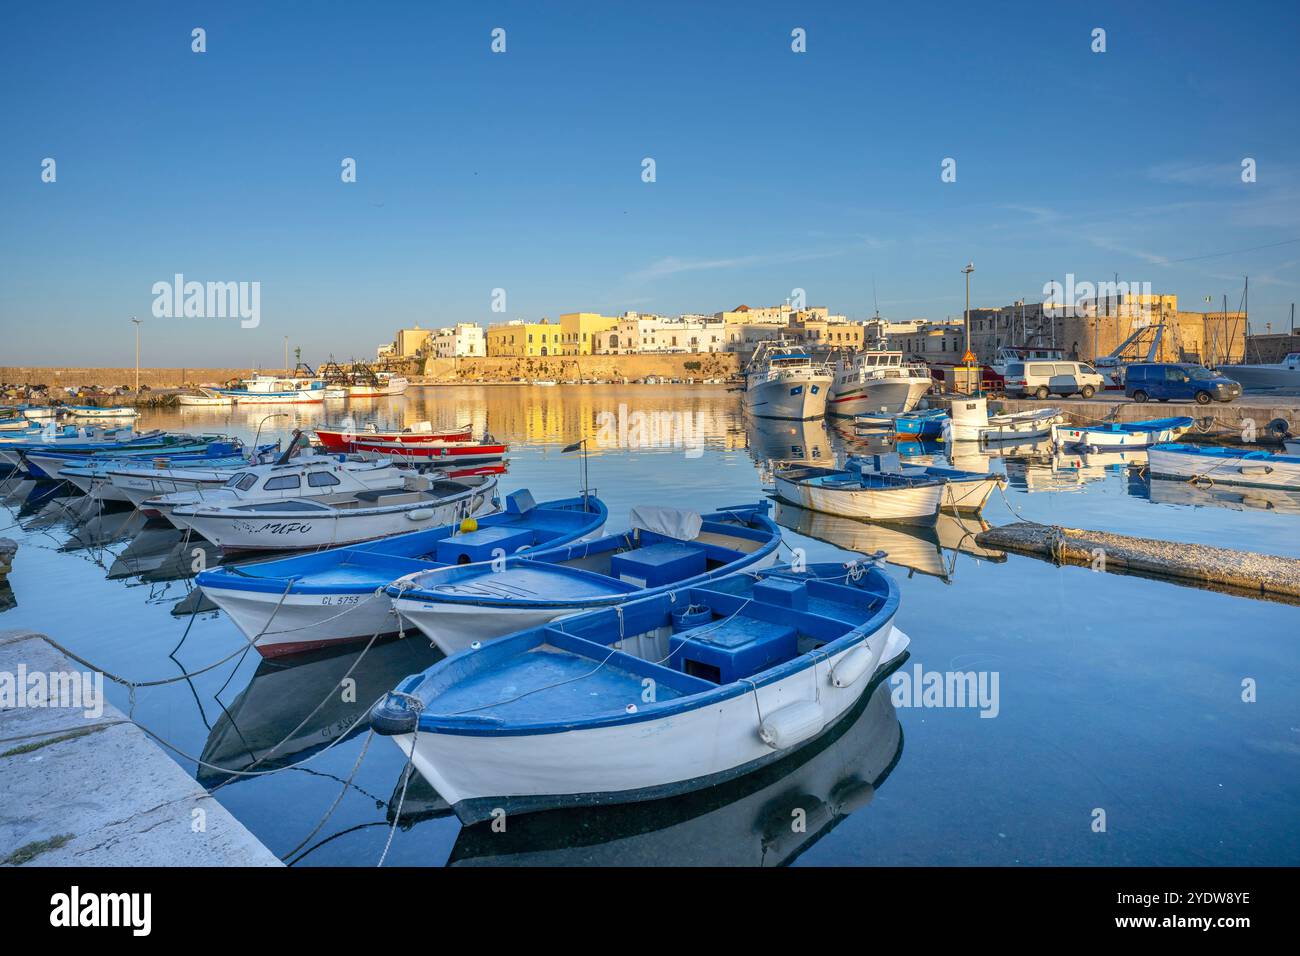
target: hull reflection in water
771 441
751 821
1174 491
281 696
923 549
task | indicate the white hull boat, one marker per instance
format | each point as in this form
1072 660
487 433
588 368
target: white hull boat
1214 464
965 492
1283 374
969 420
328 521
552 718
869 496
784 382
1122 435
875 384
205 399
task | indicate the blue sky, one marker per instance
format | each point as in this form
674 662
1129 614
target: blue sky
522 170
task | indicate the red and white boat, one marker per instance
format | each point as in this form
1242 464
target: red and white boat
341 439
450 454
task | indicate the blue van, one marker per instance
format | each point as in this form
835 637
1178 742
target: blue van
1179 381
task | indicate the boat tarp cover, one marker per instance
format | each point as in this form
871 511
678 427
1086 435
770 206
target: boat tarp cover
672 522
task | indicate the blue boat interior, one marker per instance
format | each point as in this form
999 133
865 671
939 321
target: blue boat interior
855 478
614 564
709 639
1223 451
521 525
1150 425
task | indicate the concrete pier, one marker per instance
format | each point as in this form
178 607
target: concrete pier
79 789
1244 572
1229 417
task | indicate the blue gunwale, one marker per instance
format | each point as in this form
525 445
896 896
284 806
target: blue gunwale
1220 451
699 693
549 560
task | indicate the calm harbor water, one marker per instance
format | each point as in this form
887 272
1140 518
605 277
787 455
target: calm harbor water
1115 693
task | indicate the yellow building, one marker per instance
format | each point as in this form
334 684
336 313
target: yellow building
579 331
410 341
519 338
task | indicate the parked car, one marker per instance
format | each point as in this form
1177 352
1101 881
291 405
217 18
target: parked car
1178 381
1041 379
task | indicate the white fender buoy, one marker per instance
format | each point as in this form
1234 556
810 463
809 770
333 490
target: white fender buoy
791 724
421 514
852 666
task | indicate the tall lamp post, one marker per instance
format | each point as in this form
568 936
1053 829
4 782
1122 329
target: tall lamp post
137 323
970 267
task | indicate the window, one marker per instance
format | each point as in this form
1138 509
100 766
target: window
282 482
247 482
321 479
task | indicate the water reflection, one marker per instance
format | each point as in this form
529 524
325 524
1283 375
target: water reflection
754 820
290 710
923 549
1167 491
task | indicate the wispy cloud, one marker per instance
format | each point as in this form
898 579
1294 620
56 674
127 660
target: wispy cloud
675 265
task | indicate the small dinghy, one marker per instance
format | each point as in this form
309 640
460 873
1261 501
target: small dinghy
296 604
970 421
448 454
98 478
668 694
1213 464
1155 431
47 463
966 492
873 496
100 411
923 424
664 550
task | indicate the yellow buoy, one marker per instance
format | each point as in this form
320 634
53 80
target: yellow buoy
468 525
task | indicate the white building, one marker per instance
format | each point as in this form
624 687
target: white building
464 340
639 333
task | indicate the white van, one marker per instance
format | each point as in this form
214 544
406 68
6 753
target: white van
1041 379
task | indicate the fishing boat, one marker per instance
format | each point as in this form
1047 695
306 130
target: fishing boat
41 413
876 383
138 484
331 597
969 420
275 390
365 382
1283 374
19 423
339 518
665 549
458 454
1143 434
783 381
874 496
94 475
343 438
1215 464
667 694
204 398
43 459
100 411
965 492
928 423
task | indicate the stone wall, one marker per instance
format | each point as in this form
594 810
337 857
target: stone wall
608 368
60 376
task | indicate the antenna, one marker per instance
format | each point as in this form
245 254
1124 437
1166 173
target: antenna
583 470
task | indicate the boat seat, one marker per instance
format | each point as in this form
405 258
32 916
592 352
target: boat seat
481 545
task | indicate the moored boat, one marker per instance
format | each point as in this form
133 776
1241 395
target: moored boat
874 496
783 381
928 423
665 549
875 382
342 438
458 454
1123 434
969 420
1283 374
100 411
1215 464
965 492
300 603
668 694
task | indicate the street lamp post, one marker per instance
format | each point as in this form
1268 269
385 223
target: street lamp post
137 323
970 267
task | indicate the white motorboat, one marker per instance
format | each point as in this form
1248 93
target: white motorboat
275 390
41 412
965 492
206 398
326 521
876 383
873 496
1283 374
92 412
363 382
783 381
969 420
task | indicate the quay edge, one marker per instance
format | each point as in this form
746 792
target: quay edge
97 790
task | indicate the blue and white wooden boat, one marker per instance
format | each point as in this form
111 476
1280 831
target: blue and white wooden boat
46 464
1144 434
100 411
664 550
965 492
1213 464
667 694
85 441
921 424
300 603
18 424
133 479
869 495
